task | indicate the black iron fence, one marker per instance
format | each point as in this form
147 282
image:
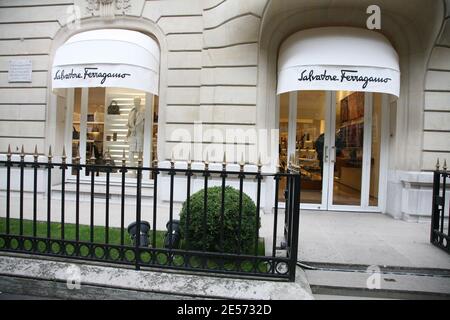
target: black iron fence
140 244
440 215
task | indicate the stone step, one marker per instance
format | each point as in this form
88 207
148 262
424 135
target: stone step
391 285
48 277
115 190
344 297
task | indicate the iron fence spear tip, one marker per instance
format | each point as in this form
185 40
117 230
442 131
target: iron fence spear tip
172 160
50 156
140 159
92 155
189 161
224 162
8 155
108 158
437 164
206 162
35 155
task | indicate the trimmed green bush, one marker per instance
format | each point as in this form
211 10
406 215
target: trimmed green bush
231 221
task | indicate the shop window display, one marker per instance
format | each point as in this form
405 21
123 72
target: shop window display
349 141
330 146
115 124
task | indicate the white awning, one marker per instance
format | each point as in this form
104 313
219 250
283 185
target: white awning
338 58
107 58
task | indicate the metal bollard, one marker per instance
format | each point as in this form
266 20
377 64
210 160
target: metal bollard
145 228
176 235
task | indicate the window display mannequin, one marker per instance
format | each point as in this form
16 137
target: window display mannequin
135 134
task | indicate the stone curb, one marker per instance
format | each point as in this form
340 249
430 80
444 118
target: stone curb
171 284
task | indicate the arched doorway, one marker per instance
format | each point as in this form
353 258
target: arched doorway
111 78
332 89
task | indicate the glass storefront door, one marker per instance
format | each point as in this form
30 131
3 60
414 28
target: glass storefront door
336 137
311 111
347 148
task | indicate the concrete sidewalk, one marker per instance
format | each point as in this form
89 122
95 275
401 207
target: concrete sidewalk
368 239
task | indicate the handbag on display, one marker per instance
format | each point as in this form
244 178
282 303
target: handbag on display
75 134
113 108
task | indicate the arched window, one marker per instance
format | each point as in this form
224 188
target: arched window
332 86
111 78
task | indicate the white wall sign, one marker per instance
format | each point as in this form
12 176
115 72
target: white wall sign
20 70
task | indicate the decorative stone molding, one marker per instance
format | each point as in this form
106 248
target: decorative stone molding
107 8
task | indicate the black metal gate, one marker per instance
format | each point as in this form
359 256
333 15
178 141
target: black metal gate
96 243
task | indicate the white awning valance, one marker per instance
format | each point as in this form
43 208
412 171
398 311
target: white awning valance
338 58
107 58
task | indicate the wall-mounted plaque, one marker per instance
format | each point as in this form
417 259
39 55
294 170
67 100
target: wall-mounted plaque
20 70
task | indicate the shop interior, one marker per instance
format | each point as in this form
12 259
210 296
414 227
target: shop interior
312 123
115 125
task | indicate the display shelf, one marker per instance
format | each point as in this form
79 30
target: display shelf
90 122
351 122
110 130
88 141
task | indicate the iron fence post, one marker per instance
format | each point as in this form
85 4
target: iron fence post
172 174
295 215
8 191
138 212
22 172
434 206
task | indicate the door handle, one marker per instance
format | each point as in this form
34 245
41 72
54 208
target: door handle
333 154
326 154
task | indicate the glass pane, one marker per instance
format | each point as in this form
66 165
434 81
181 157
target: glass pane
310 137
376 147
76 121
116 123
349 137
76 124
155 128
95 125
283 145
125 119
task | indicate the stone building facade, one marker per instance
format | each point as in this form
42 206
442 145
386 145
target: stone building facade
218 67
